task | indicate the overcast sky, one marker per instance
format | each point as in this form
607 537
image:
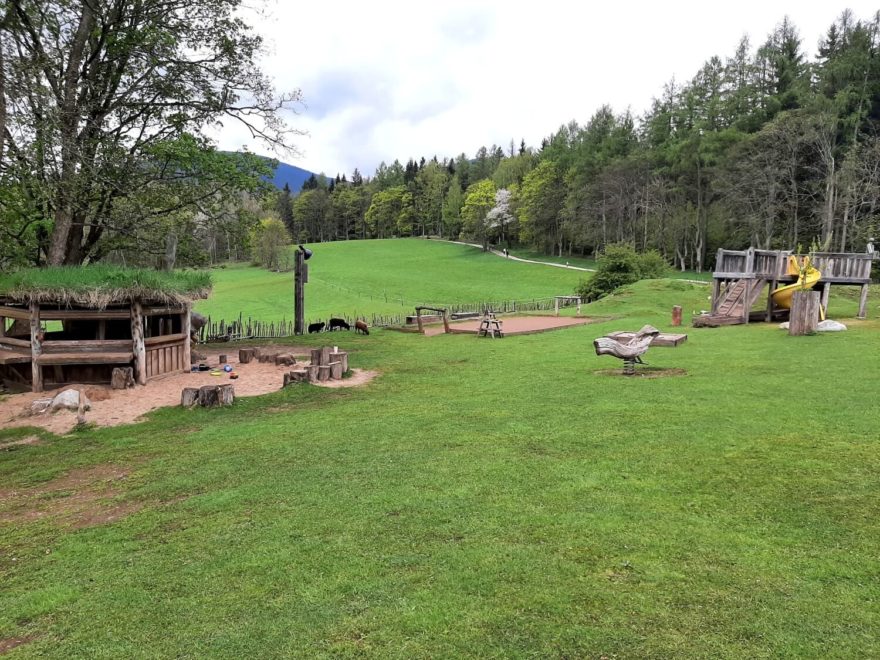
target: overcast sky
385 80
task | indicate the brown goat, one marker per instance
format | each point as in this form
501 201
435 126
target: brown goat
361 326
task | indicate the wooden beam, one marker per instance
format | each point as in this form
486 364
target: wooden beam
2 326
83 314
15 341
863 302
299 312
14 312
36 348
137 343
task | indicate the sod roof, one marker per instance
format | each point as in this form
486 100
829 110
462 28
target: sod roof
98 286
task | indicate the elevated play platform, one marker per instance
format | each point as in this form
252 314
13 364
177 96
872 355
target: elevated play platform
741 276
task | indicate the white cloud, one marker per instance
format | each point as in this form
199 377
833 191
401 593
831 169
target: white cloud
388 80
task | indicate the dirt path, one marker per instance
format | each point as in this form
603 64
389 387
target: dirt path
114 407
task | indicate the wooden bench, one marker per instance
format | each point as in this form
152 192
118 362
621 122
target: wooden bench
14 357
86 358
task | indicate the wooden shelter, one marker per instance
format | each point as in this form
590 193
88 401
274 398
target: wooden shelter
62 337
741 276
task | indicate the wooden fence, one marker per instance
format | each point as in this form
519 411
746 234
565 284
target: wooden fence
249 328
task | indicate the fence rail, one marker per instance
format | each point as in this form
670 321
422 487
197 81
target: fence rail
250 328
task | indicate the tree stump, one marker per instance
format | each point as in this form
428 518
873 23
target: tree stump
296 376
324 372
285 359
209 395
222 359
267 356
340 356
122 378
312 371
316 356
804 313
225 395
245 355
189 397
325 355
336 370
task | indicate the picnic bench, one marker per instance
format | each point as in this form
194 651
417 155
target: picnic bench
490 326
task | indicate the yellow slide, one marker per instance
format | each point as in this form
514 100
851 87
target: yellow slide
782 295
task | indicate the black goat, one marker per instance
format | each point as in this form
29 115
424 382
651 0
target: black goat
316 327
338 324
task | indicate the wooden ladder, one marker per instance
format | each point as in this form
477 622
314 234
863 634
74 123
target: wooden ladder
739 298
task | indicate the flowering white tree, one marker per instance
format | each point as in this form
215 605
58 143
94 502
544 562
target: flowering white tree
500 216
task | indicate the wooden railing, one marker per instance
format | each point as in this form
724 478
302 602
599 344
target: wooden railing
836 267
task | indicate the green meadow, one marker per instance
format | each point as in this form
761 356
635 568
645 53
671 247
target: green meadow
480 498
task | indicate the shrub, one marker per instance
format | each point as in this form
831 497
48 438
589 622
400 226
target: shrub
620 265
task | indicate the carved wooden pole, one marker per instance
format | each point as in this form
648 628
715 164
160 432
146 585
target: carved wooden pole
36 348
300 276
187 340
137 343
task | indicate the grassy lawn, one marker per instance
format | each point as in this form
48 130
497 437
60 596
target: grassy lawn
500 498
383 277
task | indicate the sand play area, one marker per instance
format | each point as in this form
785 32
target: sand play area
513 325
113 407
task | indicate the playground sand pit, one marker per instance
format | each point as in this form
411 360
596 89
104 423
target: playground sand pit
514 325
115 407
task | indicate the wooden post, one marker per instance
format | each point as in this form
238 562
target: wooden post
419 320
804 313
579 307
186 325
716 291
676 315
826 291
863 302
299 311
445 329
36 349
137 343
2 326
556 306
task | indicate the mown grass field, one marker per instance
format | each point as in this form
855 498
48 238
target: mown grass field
481 498
383 277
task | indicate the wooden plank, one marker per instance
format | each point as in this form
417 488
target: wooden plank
84 314
162 311
14 341
36 348
14 357
14 312
116 357
85 345
165 339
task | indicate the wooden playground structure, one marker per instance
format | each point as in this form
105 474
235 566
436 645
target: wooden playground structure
741 276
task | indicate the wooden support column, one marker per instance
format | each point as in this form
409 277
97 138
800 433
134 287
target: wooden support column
36 348
556 307
863 302
300 276
770 305
419 321
445 322
2 326
137 343
186 326
826 291
716 292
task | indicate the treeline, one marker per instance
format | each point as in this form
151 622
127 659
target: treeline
765 147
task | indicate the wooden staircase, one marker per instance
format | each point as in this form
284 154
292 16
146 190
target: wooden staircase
734 306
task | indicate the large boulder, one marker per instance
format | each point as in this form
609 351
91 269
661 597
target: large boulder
830 326
69 400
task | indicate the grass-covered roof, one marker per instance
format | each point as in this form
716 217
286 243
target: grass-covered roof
101 285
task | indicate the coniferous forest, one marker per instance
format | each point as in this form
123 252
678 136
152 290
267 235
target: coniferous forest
774 145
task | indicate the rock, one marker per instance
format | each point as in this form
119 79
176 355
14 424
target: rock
783 326
830 326
39 406
69 400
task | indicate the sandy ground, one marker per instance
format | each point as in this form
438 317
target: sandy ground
514 325
113 407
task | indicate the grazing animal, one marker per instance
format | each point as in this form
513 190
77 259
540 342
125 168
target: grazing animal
339 324
316 327
361 326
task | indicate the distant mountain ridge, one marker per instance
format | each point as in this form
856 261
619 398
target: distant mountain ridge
292 175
